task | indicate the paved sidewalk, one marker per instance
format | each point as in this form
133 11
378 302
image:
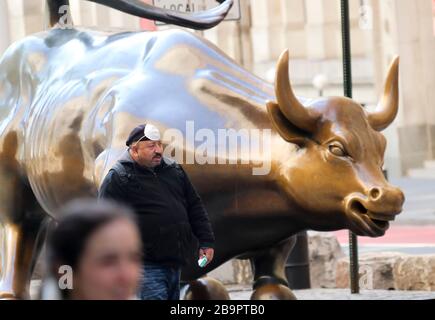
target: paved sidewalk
244 293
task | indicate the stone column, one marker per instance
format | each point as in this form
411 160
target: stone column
381 41
227 38
408 31
377 45
16 19
124 21
88 14
323 29
245 39
361 37
5 37
433 15
34 16
116 18
294 35
102 20
75 10
323 33
267 30
234 37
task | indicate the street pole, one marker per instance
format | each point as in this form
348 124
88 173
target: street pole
347 83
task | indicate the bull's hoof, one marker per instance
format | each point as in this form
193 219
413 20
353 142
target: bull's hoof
6 293
205 289
8 296
273 292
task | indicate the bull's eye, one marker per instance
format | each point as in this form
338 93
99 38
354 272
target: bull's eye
337 149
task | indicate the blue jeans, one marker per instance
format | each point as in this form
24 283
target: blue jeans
160 283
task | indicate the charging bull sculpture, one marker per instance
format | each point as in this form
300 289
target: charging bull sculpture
68 99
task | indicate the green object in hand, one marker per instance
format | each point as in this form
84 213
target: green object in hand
202 261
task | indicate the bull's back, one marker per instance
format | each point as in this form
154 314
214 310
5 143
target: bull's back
77 95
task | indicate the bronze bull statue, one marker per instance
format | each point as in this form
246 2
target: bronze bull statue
68 99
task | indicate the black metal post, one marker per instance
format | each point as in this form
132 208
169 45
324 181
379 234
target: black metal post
347 82
297 268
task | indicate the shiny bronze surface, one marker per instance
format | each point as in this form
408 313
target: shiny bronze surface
69 98
273 292
205 289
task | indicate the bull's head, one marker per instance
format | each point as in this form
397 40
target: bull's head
337 174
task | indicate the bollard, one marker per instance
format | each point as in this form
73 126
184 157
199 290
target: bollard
297 268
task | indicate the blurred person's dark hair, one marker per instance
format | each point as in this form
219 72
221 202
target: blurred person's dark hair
80 219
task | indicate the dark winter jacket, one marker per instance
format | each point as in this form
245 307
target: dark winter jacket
167 205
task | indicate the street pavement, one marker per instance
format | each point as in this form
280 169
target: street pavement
244 293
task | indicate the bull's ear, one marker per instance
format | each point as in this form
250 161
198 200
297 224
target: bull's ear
285 128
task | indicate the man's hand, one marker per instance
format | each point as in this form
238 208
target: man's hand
208 252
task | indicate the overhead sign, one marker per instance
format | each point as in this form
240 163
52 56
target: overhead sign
197 5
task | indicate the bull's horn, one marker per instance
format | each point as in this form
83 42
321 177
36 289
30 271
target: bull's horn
386 111
200 20
289 105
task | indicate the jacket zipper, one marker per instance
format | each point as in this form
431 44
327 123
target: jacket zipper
174 209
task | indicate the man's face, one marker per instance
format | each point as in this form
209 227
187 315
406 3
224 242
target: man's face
147 153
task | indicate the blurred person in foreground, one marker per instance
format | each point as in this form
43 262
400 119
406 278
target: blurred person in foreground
100 243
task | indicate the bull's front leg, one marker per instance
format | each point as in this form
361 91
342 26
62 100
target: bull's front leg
22 224
20 245
269 272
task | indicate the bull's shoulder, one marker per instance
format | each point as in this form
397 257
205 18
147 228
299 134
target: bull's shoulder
13 55
12 66
21 62
23 47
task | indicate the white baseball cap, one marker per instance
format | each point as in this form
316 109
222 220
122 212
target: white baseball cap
148 131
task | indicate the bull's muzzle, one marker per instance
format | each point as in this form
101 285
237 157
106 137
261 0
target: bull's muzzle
369 214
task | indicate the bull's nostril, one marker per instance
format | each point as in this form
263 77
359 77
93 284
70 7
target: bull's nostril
375 193
358 207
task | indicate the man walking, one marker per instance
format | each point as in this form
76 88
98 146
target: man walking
168 210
